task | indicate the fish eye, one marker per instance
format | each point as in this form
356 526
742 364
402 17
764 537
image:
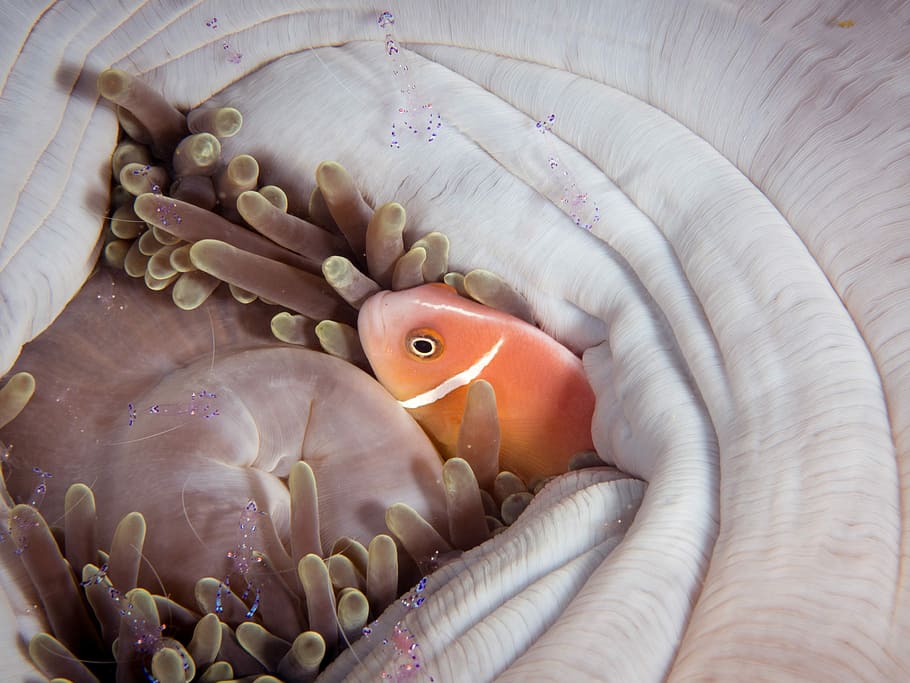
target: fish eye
424 344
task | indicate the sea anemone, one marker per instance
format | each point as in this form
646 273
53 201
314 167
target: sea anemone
739 292
293 603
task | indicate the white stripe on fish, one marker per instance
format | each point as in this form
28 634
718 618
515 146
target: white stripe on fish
463 378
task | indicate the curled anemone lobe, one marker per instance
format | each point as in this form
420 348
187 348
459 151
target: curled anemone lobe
428 344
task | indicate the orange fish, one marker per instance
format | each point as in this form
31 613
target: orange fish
427 344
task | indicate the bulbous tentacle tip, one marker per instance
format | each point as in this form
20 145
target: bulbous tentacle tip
214 597
318 211
354 551
222 122
126 552
149 244
206 641
240 175
350 283
275 196
490 289
343 574
436 246
134 261
267 649
115 253
320 598
197 155
100 594
585 459
56 661
467 519
421 541
114 84
506 484
345 204
295 329
408 271
479 434
341 341
80 518
217 671
304 512
159 273
456 282
15 395
385 241
382 572
302 661
514 505
164 123
241 295
129 152
353 613
193 288
172 665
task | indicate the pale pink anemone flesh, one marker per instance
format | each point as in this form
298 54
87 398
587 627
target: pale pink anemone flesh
742 298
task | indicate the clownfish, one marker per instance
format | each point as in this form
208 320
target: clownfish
427 344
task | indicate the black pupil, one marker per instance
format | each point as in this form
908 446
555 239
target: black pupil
422 346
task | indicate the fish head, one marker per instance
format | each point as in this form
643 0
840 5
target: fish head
419 339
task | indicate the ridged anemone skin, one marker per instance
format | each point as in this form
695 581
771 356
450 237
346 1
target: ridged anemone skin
742 302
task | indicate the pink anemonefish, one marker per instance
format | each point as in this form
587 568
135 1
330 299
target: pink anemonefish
427 344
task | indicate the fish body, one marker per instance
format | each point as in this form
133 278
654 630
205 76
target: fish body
427 344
